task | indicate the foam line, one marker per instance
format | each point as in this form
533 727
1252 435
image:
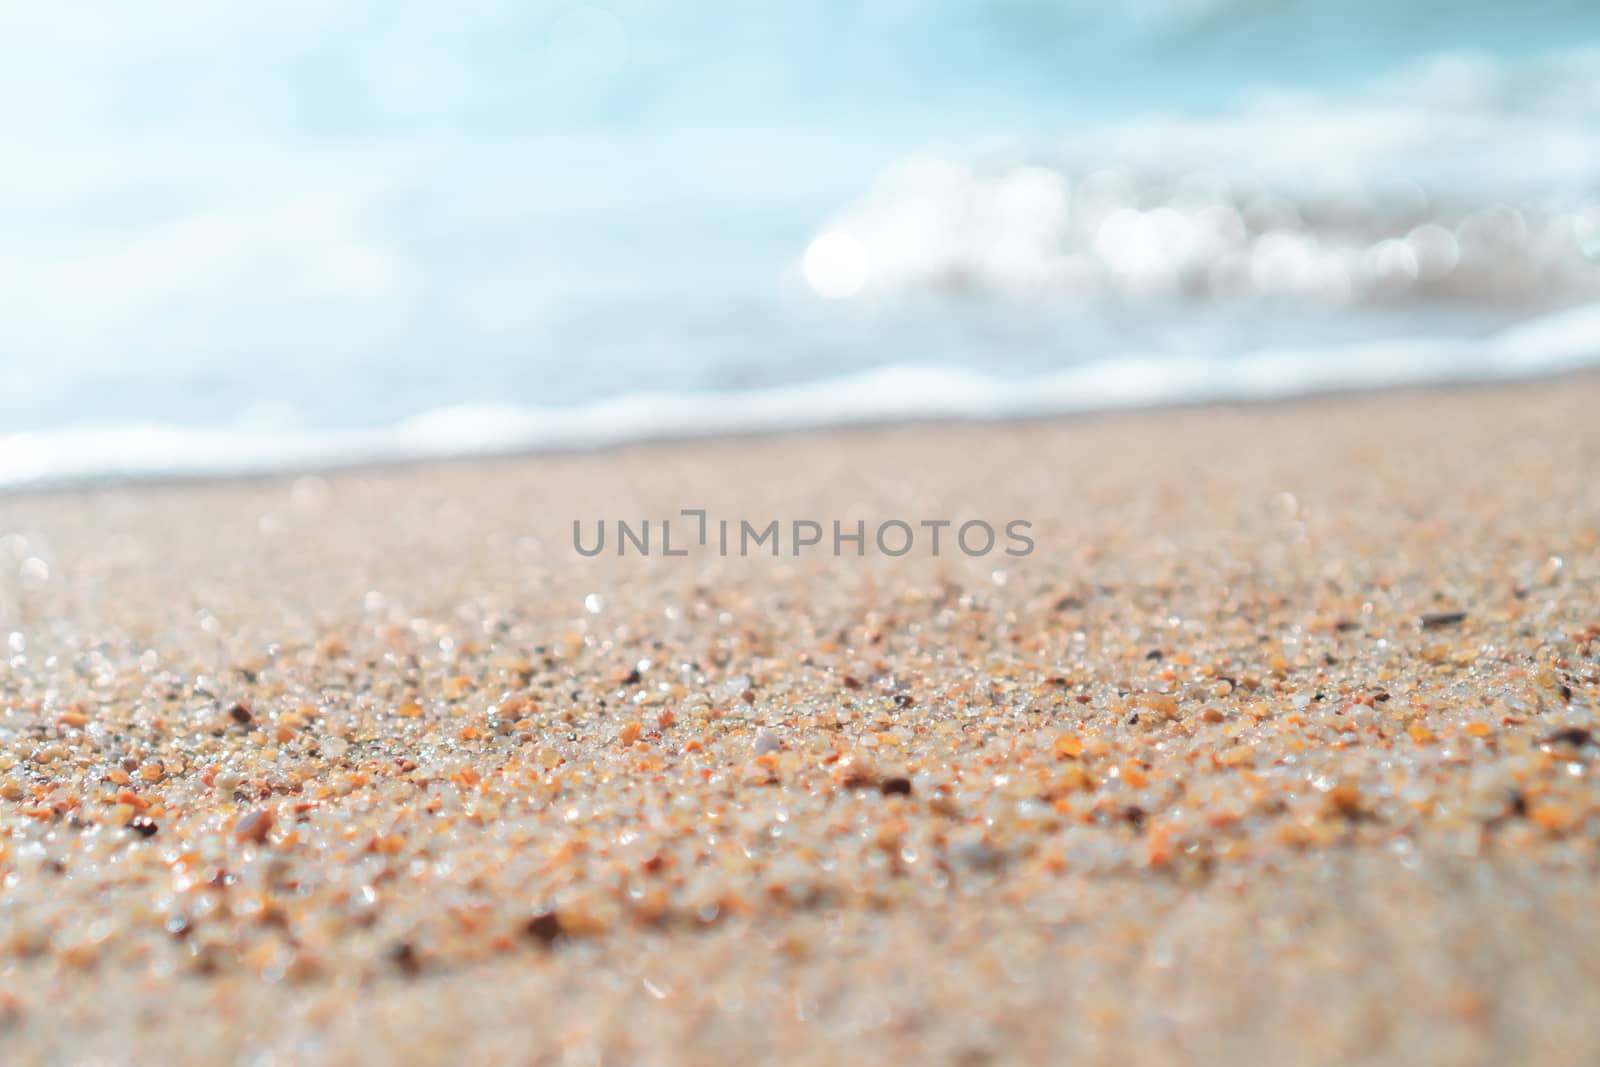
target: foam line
1556 344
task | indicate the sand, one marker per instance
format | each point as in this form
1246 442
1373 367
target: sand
1277 748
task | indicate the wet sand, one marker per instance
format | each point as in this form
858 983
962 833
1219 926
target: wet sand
1280 746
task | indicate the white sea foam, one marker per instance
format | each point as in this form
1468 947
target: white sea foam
1556 344
1456 180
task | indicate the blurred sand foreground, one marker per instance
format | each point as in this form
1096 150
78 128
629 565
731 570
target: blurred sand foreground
1280 747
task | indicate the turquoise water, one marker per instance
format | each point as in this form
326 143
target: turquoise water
239 240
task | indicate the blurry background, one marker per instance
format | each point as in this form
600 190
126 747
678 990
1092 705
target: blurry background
235 236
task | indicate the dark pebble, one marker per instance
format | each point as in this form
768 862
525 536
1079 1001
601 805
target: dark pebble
896 787
1433 620
143 825
1576 736
1155 654
544 928
404 956
241 715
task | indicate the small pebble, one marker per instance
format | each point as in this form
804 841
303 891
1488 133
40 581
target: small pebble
976 854
544 928
254 826
1576 736
405 958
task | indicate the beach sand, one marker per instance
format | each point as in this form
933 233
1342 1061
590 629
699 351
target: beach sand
1279 747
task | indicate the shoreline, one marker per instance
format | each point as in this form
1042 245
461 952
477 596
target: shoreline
1282 742
799 433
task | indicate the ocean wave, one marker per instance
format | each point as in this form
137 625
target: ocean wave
1459 180
1561 343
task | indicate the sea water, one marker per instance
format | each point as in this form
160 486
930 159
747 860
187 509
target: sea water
317 234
